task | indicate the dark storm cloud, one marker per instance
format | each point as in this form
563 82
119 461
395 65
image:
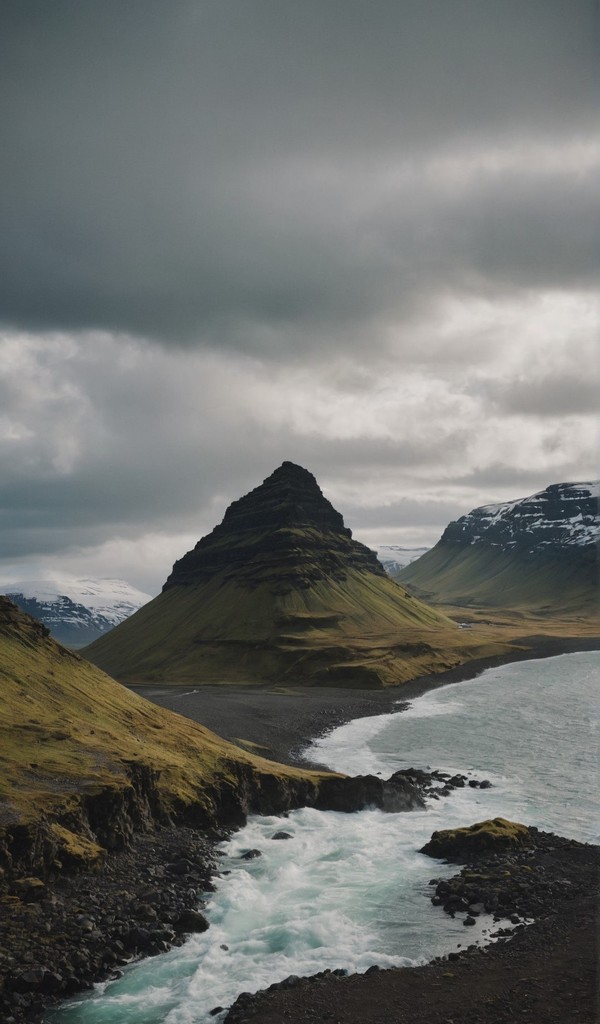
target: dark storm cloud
219 172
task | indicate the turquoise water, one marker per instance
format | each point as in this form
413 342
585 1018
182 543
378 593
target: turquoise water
351 890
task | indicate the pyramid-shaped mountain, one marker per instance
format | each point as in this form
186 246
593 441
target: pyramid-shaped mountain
279 592
284 533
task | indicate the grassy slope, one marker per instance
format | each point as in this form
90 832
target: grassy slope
65 728
481 576
365 631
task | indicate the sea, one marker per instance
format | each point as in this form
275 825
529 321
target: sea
352 890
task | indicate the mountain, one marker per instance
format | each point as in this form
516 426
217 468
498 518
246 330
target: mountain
394 557
279 592
536 553
77 611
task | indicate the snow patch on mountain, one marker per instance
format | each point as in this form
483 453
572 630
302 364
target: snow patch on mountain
394 557
77 610
561 516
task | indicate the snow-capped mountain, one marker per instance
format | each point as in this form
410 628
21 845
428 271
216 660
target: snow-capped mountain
394 557
77 611
537 553
563 515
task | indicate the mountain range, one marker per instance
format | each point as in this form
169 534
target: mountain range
77 611
536 553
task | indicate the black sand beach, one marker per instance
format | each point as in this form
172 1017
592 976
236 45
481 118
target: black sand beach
278 722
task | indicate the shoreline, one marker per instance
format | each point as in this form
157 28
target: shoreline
157 897
279 724
542 973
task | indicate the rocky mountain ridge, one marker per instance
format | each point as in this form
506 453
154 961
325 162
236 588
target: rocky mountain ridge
561 516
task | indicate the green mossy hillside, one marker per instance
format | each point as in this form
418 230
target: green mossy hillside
68 733
480 575
280 593
362 630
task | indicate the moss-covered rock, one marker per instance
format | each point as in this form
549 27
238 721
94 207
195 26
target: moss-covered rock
461 844
75 850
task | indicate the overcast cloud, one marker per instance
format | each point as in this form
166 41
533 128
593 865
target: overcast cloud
359 235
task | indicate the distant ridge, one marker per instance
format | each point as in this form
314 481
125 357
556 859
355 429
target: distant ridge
76 611
536 553
395 557
279 591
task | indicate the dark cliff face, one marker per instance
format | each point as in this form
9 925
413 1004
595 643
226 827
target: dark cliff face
284 531
564 516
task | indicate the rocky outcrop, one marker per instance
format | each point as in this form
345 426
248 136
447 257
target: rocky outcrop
492 836
284 530
108 820
512 871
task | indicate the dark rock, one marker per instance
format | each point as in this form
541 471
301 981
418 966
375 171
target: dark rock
462 843
191 921
51 983
144 912
180 867
250 855
281 835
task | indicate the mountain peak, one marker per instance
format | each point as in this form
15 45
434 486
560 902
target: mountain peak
284 531
561 517
290 496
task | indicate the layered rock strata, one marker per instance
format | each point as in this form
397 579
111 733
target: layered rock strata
285 531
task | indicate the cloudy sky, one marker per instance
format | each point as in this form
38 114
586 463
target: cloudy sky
362 235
